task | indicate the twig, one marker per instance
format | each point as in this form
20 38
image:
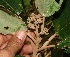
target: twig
48 54
46 47
34 48
50 27
32 38
37 34
49 40
38 54
49 22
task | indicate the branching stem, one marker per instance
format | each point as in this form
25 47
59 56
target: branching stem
49 40
48 54
46 47
32 38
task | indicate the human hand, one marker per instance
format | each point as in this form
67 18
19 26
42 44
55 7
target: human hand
11 44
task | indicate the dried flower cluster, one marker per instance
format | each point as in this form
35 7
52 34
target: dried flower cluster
36 23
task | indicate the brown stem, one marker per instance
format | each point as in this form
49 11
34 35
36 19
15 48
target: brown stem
37 31
32 38
42 26
50 27
48 54
49 40
46 47
34 49
39 55
49 23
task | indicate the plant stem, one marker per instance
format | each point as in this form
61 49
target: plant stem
46 47
49 40
32 38
48 54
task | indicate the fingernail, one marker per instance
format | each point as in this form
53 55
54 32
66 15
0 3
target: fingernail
21 35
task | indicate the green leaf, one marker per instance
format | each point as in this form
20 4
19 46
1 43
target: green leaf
26 2
48 7
10 24
19 56
14 6
62 26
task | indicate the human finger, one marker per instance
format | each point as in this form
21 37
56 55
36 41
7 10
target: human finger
14 44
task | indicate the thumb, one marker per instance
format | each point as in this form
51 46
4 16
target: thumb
15 43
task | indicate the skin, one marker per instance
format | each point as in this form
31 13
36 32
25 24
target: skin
11 44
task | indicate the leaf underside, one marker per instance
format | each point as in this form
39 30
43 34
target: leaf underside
10 24
47 7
